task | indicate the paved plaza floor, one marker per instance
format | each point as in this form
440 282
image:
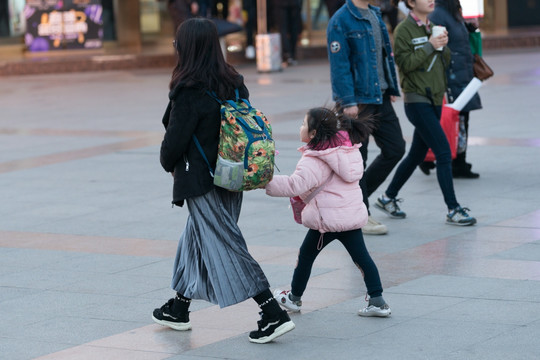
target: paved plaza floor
88 234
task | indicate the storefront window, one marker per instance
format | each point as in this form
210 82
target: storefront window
12 22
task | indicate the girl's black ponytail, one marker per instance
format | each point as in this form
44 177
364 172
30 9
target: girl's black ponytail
358 128
328 122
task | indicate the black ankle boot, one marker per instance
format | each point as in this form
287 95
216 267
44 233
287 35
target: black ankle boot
464 172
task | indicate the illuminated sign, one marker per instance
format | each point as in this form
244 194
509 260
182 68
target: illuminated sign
55 25
472 8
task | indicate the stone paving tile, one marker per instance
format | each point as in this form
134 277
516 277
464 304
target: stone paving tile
88 236
18 349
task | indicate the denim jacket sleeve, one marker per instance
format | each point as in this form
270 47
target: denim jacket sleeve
340 67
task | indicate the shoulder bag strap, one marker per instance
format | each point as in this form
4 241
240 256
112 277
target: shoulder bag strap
318 190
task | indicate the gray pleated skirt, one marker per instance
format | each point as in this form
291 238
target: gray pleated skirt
212 261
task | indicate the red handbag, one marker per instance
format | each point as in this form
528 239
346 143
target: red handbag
450 126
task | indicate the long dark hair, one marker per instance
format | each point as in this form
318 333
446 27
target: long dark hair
200 61
452 6
328 122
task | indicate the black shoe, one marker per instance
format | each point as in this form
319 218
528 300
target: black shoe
271 328
464 173
166 316
426 166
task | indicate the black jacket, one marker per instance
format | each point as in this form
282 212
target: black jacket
460 71
191 111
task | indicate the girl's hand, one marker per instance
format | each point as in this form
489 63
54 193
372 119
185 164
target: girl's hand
439 41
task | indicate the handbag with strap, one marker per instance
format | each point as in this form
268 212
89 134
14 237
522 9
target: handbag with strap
298 204
481 69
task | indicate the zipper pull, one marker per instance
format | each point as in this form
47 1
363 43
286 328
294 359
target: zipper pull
187 165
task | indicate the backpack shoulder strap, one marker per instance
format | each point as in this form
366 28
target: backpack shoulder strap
214 96
198 144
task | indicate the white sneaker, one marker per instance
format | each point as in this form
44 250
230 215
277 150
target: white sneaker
250 52
373 227
373 310
282 297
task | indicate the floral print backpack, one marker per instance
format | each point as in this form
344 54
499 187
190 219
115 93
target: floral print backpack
246 149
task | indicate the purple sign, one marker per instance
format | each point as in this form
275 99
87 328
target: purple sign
67 24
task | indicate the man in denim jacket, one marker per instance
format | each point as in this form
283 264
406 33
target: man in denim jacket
364 79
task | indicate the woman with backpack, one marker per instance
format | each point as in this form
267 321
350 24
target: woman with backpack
212 261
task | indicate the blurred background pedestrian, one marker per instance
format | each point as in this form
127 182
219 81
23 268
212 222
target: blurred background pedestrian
447 13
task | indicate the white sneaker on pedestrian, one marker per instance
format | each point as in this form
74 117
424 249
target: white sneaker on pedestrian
390 206
372 310
282 297
250 52
460 216
373 227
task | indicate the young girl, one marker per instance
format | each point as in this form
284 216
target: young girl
423 80
212 261
330 160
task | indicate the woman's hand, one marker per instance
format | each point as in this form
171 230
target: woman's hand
439 41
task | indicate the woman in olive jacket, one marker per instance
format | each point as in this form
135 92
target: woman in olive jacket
422 59
212 261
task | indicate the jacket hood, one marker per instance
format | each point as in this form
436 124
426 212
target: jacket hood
344 160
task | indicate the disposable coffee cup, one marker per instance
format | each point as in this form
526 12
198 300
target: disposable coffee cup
436 31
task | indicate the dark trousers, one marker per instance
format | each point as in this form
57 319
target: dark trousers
389 139
428 134
460 163
354 243
290 24
251 23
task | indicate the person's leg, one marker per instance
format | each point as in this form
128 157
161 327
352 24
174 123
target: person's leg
295 28
373 227
389 139
366 110
428 134
267 303
460 167
309 250
438 142
251 24
354 243
284 31
415 156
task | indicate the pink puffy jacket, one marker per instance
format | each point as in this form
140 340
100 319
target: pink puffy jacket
339 206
